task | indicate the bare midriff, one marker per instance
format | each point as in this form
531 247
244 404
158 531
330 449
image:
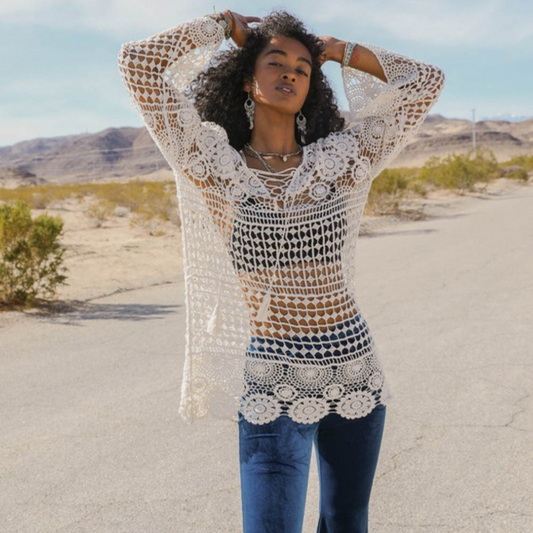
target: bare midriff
301 301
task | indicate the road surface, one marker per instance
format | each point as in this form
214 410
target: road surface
91 441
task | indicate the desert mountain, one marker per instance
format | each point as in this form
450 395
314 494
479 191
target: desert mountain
122 153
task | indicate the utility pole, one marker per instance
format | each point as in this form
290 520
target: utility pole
474 132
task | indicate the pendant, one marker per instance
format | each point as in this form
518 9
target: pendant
264 308
285 158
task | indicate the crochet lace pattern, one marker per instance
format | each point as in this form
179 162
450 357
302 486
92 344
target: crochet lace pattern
272 323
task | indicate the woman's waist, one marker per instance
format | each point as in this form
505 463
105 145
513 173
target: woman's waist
352 330
308 313
296 276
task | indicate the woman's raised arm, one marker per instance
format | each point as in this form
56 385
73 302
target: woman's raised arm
389 96
155 71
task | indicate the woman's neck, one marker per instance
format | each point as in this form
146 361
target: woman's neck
273 132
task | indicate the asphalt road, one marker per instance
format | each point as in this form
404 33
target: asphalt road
91 440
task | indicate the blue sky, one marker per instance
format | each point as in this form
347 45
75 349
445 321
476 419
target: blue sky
59 57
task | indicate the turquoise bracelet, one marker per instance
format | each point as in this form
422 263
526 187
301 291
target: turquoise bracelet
348 50
221 19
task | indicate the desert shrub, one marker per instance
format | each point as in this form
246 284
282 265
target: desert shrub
99 211
149 222
39 200
524 161
158 208
519 174
514 172
23 194
31 255
390 181
146 198
150 202
40 196
386 192
390 188
460 171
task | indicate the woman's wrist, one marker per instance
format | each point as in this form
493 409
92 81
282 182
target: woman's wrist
228 15
225 19
338 51
350 53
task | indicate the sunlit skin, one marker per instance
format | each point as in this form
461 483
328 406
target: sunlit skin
287 61
275 112
284 63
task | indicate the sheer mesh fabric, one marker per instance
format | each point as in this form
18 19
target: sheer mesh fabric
273 327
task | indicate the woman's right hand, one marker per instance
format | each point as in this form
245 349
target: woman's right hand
239 26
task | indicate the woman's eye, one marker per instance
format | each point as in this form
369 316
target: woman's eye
301 71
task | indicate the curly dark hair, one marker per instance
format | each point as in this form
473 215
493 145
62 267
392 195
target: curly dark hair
218 93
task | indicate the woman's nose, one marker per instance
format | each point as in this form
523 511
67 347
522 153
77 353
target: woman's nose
288 75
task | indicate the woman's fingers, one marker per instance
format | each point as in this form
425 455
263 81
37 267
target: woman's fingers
240 28
246 20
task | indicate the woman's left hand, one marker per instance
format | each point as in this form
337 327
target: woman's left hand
240 26
333 49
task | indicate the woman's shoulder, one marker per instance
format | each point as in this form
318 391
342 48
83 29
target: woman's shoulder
337 145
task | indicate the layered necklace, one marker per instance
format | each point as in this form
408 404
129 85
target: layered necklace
261 155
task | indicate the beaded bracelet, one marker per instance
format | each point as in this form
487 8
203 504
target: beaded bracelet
221 19
348 50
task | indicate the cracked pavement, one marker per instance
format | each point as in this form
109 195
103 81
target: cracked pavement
91 440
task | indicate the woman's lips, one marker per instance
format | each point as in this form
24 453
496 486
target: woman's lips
285 90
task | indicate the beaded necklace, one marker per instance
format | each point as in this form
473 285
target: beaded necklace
260 155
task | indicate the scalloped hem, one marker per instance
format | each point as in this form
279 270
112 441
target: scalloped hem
263 409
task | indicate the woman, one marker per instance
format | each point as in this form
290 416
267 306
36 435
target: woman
272 185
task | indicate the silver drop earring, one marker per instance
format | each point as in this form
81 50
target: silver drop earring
301 121
249 106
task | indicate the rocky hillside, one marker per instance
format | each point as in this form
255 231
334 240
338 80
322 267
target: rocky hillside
440 136
122 153
112 153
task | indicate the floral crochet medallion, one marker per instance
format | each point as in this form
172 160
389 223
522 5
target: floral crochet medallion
273 327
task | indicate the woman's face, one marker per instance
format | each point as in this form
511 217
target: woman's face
282 75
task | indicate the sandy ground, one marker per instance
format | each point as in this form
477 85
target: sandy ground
117 256
91 440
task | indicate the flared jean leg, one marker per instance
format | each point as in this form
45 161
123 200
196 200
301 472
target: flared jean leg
347 454
274 467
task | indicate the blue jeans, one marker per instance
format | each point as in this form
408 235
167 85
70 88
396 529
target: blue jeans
274 467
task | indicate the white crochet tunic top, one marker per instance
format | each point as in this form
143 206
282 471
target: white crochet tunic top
273 327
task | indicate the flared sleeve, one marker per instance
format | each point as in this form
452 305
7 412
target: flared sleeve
156 71
385 116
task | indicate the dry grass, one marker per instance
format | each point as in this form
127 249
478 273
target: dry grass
392 189
151 204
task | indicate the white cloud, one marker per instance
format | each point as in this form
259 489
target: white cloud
8 9
449 23
114 17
